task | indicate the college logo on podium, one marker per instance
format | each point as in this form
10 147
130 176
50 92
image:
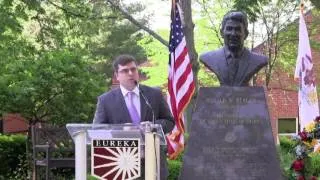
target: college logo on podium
115 159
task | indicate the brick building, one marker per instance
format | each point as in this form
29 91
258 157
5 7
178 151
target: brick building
282 92
13 123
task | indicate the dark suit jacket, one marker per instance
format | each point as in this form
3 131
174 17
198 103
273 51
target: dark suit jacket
249 64
112 109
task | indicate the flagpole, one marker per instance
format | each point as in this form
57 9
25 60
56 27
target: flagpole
173 6
308 105
181 83
173 19
299 123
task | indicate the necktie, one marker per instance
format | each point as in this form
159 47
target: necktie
233 69
132 109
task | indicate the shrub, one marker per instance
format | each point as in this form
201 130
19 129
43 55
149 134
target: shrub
286 144
287 156
174 169
314 164
21 170
13 151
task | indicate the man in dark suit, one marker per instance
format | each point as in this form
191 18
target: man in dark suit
233 64
127 105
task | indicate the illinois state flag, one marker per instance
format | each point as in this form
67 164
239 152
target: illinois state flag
307 97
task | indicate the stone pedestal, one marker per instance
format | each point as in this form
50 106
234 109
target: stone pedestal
231 137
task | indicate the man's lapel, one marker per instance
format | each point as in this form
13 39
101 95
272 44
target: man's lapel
223 68
143 105
243 66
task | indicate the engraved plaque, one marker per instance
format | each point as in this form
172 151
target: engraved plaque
231 137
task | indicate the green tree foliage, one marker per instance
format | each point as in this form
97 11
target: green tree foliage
54 55
13 148
99 31
59 86
316 3
206 37
158 57
207 33
251 7
272 19
280 37
289 41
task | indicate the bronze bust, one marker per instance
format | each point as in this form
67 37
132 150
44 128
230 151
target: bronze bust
233 64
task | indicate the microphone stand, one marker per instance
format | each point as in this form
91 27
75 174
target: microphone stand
149 106
152 146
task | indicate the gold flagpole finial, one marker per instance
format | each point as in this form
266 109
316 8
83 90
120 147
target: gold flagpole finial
301 6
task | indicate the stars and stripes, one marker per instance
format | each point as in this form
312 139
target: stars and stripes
181 84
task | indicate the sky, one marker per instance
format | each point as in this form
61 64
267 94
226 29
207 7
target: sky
159 10
160 16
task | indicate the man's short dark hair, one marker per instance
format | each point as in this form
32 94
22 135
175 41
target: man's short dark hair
235 16
122 60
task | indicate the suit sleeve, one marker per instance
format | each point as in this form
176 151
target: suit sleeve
100 115
165 117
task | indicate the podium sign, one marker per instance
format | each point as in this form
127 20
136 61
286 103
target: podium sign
115 158
117 150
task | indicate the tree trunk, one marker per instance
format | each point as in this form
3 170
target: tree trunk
188 30
189 34
116 5
254 78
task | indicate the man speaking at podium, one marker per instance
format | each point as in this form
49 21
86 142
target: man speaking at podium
126 104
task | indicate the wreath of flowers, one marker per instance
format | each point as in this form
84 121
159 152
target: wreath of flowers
307 145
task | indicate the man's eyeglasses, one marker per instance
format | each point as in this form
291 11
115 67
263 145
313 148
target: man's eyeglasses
126 71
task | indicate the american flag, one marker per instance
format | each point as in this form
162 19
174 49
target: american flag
181 85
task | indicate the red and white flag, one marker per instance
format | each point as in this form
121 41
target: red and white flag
181 84
307 97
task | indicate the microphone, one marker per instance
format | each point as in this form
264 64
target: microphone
153 129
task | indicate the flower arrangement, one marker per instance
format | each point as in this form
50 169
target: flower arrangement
307 145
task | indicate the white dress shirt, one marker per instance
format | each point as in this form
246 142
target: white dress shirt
136 98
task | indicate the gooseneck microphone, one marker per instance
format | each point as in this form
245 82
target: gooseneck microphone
154 134
147 103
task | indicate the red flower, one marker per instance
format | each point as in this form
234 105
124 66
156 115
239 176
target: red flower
298 165
303 135
313 178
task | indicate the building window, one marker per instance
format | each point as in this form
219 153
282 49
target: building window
287 126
